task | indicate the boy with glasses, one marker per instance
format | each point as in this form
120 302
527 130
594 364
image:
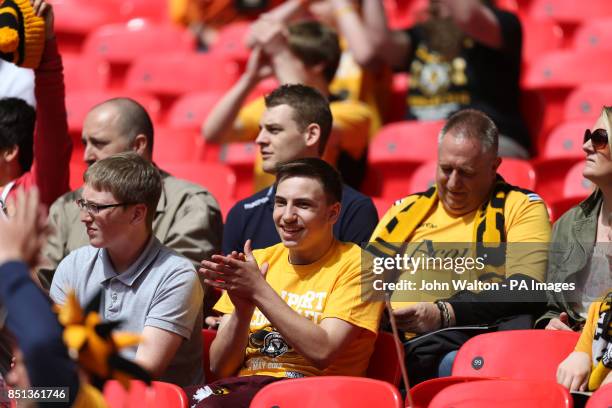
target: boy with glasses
146 285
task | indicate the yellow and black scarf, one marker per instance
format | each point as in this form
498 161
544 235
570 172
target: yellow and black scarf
602 344
489 232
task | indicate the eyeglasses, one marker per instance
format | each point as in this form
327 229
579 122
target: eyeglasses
599 138
93 208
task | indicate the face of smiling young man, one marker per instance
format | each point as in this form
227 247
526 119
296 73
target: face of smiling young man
304 218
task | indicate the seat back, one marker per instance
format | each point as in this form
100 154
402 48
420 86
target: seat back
518 354
384 362
585 102
328 391
601 398
565 140
424 392
575 184
160 394
570 11
191 110
559 207
503 394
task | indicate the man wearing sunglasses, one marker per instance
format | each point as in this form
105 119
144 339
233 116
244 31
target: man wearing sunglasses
150 288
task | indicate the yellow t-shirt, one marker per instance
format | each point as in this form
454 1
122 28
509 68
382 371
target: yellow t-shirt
351 132
330 287
526 221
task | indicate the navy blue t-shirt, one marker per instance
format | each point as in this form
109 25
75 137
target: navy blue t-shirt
252 218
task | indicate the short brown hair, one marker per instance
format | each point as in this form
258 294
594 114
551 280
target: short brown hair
316 169
308 105
314 43
130 178
474 124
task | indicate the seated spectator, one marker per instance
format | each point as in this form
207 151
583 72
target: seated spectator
360 75
469 204
297 123
466 54
294 309
35 147
147 286
303 53
590 365
187 218
581 238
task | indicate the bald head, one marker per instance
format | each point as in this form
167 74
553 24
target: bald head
115 126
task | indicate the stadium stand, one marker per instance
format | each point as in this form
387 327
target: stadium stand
160 394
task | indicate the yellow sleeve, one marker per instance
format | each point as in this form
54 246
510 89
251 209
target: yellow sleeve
352 121
89 397
345 301
585 342
391 212
527 223
246 126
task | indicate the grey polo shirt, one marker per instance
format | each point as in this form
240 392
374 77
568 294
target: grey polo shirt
160 289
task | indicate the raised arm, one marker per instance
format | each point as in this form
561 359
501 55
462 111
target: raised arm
52 145
475 19
221 126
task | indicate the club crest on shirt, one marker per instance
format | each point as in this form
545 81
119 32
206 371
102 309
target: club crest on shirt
269 342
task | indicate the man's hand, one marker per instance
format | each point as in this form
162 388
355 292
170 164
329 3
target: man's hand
25 232
269 34
420 318
258 67
573 372
44 9
238 274
562 323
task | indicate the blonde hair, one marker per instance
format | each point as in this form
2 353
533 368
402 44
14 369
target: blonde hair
606 115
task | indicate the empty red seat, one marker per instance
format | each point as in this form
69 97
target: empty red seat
176 145
328 391
83 72
566 140
481 357
594 34
179 73
230 41
570 11
503 394
585 102
241 158
191 110
126 42
159 394
156 10
601 398
575 183
551 175
540 35
424 392
398 149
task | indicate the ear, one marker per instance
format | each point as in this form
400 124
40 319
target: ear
140 214
334 212
10 153
140 145
498 161
312 135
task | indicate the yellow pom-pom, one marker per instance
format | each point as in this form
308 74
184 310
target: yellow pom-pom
9 40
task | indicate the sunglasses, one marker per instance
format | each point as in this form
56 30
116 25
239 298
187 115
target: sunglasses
599 138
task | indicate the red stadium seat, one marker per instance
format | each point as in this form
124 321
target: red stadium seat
594 34
78 104
191 110
241 158
156 10
424 392
77 169
570 11
551 173
586 101
566 140
601 398
328 391
540 35
160 394
230 42
398 149
575 183
176 145
208 335
503 394
178 73
220 180
384 362
383 204
557 208
126 42
517 172
83 72
527 354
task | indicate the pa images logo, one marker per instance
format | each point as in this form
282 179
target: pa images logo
269 342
